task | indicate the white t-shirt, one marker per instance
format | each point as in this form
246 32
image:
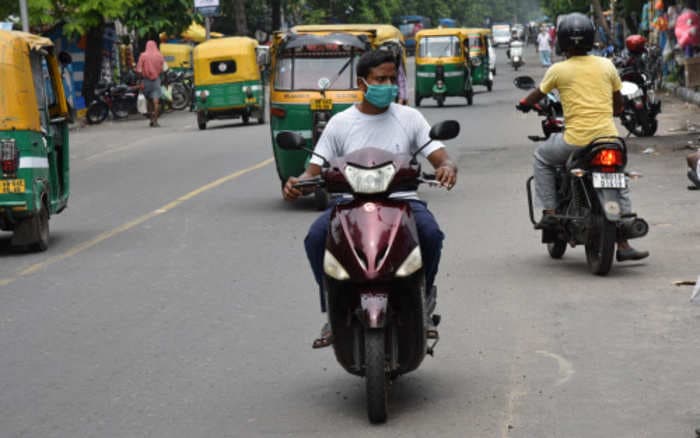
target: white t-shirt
399 130
543 42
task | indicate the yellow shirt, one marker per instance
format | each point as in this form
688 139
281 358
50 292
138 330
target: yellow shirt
586 85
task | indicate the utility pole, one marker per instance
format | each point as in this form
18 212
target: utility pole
207 27
25 16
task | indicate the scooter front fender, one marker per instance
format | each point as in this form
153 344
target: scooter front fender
374 308
610 202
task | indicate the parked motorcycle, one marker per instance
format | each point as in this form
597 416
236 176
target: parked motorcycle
179 95
588 197
641 104
378 308
119 99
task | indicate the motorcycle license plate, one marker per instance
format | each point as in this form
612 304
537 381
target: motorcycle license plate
321 104
12 186
609 180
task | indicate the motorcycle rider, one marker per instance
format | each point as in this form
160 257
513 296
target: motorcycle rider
589 87
377 122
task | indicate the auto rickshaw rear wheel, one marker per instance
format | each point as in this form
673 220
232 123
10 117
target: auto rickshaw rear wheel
489 86
42 229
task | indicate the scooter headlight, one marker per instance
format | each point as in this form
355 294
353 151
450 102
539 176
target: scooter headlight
413 262
370 180
333 268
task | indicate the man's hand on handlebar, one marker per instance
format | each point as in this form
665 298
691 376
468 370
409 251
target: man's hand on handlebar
446 175
289 192
525 107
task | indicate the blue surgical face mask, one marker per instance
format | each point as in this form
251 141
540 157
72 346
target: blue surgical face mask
381 96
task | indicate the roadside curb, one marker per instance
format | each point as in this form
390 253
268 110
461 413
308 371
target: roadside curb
685 94
666 143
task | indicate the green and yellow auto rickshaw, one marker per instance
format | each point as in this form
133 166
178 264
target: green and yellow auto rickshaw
441 66
34 147
227 81
313 78
178 56
478 41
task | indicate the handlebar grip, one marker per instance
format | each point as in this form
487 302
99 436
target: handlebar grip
428 176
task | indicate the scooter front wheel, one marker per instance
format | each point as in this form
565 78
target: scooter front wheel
376 379
556 249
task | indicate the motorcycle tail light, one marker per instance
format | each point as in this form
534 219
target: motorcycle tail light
278 112
9 156
608 158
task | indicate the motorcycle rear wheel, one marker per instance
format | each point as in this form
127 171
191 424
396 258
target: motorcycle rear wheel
600 246
120 109
376 379
180 98
97 113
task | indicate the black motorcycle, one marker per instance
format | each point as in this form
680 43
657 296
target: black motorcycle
588 189
119 99
641 105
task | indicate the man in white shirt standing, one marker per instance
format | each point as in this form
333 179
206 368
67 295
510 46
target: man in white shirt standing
544 47
380 123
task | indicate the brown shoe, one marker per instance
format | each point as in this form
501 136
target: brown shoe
325 338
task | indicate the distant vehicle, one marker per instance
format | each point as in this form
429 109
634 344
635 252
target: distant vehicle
501 34
410 25
447 22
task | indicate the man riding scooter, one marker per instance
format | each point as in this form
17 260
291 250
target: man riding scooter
380 123
589 87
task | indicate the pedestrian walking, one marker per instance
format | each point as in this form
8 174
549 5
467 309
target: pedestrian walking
150 66
544 47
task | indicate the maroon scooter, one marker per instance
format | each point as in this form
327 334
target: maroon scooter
374 283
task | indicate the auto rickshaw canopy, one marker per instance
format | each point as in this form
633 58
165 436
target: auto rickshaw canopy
440 32
177 55
378 34
480 32
19 106
239 50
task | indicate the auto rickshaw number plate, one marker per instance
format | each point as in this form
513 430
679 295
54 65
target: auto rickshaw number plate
12 186
321 104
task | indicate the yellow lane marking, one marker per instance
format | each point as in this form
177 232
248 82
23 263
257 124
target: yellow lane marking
129 225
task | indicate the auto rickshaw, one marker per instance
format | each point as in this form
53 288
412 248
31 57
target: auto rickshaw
227 81
441 65
479 41
178 56
312 78
34 146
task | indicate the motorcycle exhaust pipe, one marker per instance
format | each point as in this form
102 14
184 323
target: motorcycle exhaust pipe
633 229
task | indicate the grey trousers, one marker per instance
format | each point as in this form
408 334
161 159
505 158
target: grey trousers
551 154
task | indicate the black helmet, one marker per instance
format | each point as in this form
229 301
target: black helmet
575 31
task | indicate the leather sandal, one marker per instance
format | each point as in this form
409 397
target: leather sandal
325 338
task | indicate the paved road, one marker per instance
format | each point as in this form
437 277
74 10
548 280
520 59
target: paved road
175 301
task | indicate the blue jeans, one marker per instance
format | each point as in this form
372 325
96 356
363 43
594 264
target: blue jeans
429 235
545 58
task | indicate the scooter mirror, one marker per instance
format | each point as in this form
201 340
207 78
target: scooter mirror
445 130
290 141
524 82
